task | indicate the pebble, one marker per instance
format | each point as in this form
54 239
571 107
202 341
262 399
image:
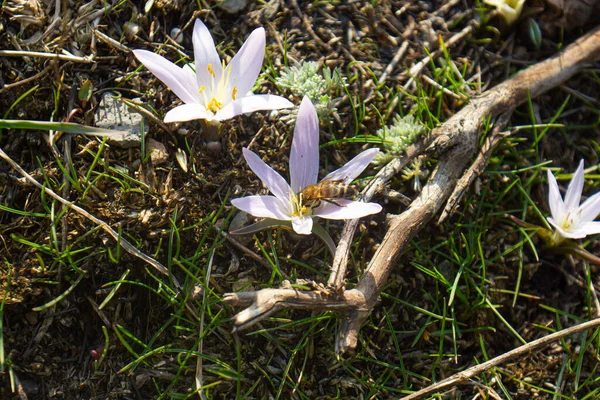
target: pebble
115 115
177 35
233 6
157 150
213 146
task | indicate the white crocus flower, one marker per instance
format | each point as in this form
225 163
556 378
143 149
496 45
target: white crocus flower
287 204
570 219
509 9
214 91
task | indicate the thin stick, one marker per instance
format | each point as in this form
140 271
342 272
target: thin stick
340 259
120 240
459 378
63 57
246 250
418 67
402 50
26 80
478 165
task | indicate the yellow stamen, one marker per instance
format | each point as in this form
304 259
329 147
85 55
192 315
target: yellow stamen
234 93
202 89
210 70
214 105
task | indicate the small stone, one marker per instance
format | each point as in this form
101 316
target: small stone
233 6
213 146
157 150
240 220
115 115
177 35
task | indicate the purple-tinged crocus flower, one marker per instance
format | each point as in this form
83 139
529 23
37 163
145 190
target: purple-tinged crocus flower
214 92
287 203
570 219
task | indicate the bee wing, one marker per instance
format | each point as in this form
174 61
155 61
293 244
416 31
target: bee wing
353 168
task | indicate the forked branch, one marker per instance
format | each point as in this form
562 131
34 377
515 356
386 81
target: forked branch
456 140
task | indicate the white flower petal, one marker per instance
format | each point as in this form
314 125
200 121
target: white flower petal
304 156
589 228
274 182
555 202
262 206
495 3
247 63
349 210
590 209
573 195
353 168
177 79
252 103
573 234
188 112
302 225
205 54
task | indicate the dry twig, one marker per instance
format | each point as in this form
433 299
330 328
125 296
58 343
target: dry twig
457 139
472 372
114 234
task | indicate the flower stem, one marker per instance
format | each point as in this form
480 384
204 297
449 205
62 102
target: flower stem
211 130
557 239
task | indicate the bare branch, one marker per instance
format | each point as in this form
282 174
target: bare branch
463 376
456 140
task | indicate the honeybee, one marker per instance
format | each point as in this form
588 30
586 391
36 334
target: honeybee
312 195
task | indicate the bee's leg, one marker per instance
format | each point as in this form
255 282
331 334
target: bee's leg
334 202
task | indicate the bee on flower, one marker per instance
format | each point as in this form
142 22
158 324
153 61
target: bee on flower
304 198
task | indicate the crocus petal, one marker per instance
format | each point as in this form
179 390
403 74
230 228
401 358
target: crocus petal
246 64
304 156
573 195
555 202
353 168
265 223
302 225
573 234
590 209
349 209
262 206
589 228
188 112
205 54
252 103
494 3
274 182
180 81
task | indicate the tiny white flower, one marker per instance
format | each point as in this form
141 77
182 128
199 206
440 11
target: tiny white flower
570 219
509 9
287 203
214 91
